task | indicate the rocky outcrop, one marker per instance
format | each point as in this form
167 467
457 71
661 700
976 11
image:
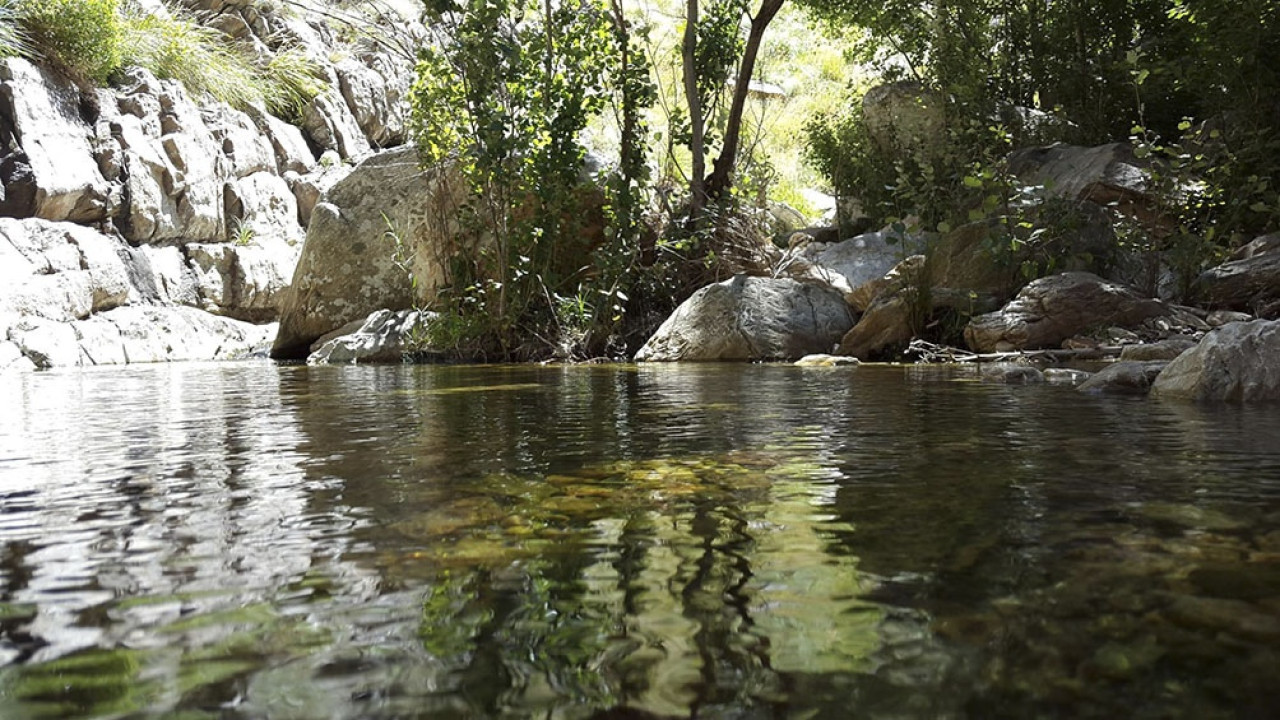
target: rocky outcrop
1249 280
750 318
1239 362
385 336
377 241
1052 309
139 224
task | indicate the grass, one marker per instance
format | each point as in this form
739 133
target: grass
82 36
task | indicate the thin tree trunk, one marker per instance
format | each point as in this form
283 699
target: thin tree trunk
718 184
697 180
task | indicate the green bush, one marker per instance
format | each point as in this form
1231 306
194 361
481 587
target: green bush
13 37
199 57
83 36
290 80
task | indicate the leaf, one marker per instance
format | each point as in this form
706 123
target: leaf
972 182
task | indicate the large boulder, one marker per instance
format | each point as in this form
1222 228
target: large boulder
854 265
1104 174
47 162
1239 362
751 318
1054 308
374 242
1127 377
243 281
1249 280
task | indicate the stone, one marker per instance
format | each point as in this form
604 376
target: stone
1103 174
59 270
1249 280
163 277
1166 349
166 334
1125 378
1055 308
862 261
46 343
1065 376
12 359
750 318
824 360
1234 617
1011 373
1218 318
376 90
904 115
349 267
309 188
245 282
52 169
246 149
384 337
331 126
885 324
263 206
290 147
1239 362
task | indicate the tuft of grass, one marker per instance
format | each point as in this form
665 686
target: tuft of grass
82 36
201 58
289 81
13 36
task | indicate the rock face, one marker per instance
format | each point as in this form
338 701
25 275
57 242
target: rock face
1055 308
384 337
749 318
1249 280
1233 363
371 232
138 223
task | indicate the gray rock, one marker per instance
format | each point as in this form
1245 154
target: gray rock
290 147
59 177
824 360
246 148
331 126
1103 174
264 206
384 337
1249 280
1239 362
1166 349
1052 309
859 263
166 334
12 359
1065 376
748 318
246 282
308 189
376 89
1130 378
1012 374
348 267
59 271
1218 318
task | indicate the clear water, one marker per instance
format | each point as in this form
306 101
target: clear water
252 541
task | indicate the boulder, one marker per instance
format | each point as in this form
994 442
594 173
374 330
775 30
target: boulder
1065 376
857 265
1054 308
1234 363
166 334
287 142
904 114
59 270
750 318
354 259
331 126
1011 373
48 165
262 207
1249 280
1124 377
309 188
1105 174
12 359
246 282
825 360
376 89
384 337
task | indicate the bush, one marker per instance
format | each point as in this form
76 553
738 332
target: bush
13 38
83 36
199 57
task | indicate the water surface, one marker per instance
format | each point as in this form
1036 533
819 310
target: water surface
254 541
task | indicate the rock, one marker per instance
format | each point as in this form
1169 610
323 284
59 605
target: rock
376 90
823 360
886 324
51 172
348 267
1166 349
246 149
784 218
167 334
1218 318
1065 376
1249 280
46 343
384 337
1131 378
1012 374
163 277
246 282
12 359
291 150
1233 617
59 270
263 206
1104 174
1233 363
1052 309
308 189
331 126
862 262
904 115
749 318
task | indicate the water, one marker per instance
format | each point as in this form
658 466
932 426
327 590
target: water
252 541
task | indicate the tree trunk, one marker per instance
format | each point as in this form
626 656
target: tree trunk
697 181
721 179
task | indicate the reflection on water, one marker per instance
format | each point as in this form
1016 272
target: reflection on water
249 541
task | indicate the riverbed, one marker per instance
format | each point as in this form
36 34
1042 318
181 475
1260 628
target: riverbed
250 540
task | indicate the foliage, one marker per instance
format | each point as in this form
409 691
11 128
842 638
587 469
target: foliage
289 80
13 37
503 96
197 56
82 36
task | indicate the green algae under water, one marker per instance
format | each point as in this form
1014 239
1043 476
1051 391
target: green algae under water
253 541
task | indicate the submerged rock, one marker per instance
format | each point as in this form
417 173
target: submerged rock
1066 376
751 318
1239 362
1012 374
1125 377
823 360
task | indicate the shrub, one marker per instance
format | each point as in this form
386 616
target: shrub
290 80
13 37
199 57
83 36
